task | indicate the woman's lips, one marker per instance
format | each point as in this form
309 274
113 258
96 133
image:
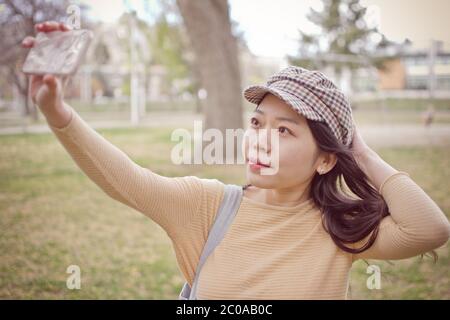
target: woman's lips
256 165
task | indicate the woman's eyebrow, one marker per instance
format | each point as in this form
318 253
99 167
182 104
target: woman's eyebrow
279 118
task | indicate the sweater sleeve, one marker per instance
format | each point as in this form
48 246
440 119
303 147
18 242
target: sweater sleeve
415 224
172 202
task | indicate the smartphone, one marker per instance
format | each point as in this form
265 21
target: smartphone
57 52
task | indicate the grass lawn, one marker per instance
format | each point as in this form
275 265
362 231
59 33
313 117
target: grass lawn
52 216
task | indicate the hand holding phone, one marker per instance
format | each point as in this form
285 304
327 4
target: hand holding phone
47 89
57 52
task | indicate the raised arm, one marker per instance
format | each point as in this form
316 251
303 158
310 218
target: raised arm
170 202
173 203
415 224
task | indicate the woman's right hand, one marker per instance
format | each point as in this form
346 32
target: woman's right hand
47 91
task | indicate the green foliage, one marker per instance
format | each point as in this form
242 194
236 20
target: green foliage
343 31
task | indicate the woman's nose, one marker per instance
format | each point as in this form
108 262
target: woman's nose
260 140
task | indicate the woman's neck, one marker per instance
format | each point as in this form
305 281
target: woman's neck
287 197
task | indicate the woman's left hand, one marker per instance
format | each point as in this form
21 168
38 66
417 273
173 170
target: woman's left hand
358 146
361 151
376 169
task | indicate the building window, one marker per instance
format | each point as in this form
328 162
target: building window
443 83
416 83
443 59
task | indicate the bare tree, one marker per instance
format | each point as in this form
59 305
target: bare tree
17 20
209 28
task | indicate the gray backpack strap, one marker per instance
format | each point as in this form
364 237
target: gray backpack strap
228 208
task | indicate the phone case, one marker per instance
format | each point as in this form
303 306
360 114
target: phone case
57 52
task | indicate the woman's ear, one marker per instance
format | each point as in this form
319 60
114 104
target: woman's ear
327 161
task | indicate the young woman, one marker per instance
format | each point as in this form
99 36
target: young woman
332 200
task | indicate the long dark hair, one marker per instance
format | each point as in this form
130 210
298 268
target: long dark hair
352 208
348 219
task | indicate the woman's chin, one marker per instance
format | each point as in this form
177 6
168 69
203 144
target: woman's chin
259 180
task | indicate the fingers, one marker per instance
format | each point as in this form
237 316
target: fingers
28 42
64 27
47 26
51 82
50 26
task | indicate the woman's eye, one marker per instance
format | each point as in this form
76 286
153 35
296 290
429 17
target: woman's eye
284 130
254 121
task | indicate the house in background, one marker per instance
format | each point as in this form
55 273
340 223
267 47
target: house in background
418 69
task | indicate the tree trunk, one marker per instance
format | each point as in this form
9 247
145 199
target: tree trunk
21 82
209 29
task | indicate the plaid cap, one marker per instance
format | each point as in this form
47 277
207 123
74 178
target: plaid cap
311 94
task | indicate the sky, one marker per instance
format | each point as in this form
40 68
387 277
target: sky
271 27
418 20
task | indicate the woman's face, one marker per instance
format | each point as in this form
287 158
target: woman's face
275 130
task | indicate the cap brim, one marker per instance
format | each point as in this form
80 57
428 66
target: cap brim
255 94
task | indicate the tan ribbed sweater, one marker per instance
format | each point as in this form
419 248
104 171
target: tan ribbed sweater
270 252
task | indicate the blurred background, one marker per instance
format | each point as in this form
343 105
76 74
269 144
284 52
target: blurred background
157 65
